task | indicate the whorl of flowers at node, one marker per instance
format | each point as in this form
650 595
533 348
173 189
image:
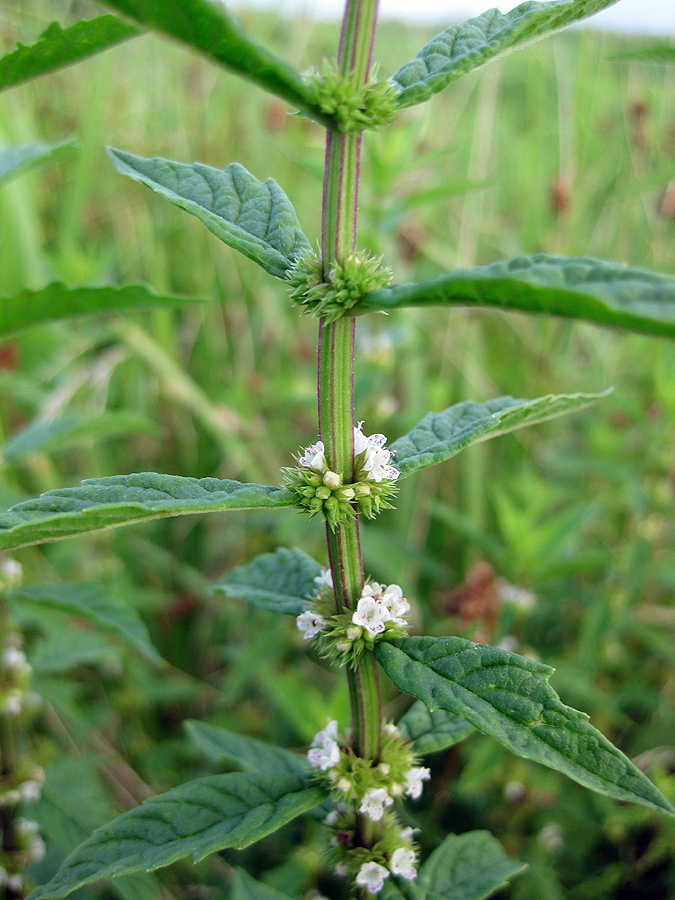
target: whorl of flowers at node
342 637
365 787
334 293
354 106
320 491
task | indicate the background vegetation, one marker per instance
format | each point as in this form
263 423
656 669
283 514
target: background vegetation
567 147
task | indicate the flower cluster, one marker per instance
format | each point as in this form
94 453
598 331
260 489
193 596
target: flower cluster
342 637
354 106
321 491
334 293
368 788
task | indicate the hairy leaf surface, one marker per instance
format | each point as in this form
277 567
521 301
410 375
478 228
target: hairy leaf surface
94 604
432 731
102 503
253 217
192 820
576 288
440 436
509 698
280 581
58 47
17 160
246 888
56 301
250 754
207 26
468 866
471 44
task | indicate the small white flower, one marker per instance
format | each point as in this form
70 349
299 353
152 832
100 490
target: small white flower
11 703
311 623
324 580
510 643
332 479
407 834
341 870
314 458
369 614
395 604
390 728
26 826
377 457
403 863
37 850
11 572
371 876
345 785
325 750
30 791
512 595
15 884
12 658
413 781
551 837
374 802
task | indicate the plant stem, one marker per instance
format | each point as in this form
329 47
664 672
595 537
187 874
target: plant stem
336 365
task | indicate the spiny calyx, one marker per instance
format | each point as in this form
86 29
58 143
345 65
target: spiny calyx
353 106
334 293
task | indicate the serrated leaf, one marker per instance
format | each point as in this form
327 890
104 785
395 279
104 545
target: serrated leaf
94 604
476 42
58 47
603 292
45 437
468 866
281 581
249 754
440 436
207 26
56 301
102 503
509 698
246 888
193 820
253 217
15 161
432 731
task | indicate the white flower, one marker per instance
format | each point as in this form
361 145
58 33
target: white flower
37 849
15 884
14 659
325 750
369 615
11 572
314 458
371 876
11 704
3 876
377 457
30 791
403 863
413 781
407 834
324 580
390 728
310 623
395 604
341 869
374 802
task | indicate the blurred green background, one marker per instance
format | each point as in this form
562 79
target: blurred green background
558 540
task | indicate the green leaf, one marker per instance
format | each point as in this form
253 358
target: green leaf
655 53
440 436
280 581
58 47
476 42
508 697
576 288
254 218
434 731
56 301
246 888
15 161
468 866
45 437
94 604
102 503
249 754
207 26
194 820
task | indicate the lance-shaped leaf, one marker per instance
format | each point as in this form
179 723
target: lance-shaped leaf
281 581
468 866
576 288
58 47
246 888
192 820
207 26
91 603
249 754
17 160
440 436
56 301
471 44
102 503
509 698
45 437
655 53
253 217
432 731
